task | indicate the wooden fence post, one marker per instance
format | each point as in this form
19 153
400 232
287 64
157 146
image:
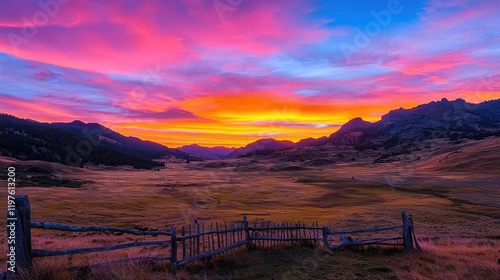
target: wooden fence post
197 237
407 232
325 238
173 248
413 237
247 231
183 233
19 231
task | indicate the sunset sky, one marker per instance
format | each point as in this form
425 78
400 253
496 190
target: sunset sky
229 72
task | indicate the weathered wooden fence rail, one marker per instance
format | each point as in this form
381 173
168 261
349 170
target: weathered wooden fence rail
349 240
197 242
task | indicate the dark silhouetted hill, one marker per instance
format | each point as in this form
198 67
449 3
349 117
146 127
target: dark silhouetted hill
78 143
402 127
264 146
442 119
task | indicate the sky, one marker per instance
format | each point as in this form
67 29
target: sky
229 72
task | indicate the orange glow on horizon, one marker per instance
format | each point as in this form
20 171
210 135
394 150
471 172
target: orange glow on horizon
239 120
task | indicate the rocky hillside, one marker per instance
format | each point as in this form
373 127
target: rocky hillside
443 119
400 130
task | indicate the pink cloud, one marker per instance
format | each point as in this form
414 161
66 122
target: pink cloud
119 38
435 64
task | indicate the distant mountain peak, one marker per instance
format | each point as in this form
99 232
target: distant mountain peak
192 145
356 123
272 140
206 152
260 145
77 122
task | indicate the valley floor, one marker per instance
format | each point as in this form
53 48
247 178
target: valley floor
456 211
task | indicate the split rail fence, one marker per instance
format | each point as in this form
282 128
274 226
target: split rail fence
196 242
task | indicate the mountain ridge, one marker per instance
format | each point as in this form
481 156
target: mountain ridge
207 152
264 145
437 119
78 143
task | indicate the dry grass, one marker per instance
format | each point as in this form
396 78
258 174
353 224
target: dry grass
60 270
456 214
463 259
48 269
466 260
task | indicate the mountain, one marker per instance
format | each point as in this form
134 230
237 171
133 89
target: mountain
78 143
101 133
442 119
398 130
312 142
205 152
354 124
262 146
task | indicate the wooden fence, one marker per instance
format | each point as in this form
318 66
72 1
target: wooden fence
197 242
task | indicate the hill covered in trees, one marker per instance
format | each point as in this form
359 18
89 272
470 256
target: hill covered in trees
78 143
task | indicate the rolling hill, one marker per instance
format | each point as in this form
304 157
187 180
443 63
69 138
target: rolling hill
78 143
206 152
261 147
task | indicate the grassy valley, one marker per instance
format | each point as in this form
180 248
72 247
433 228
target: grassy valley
451 190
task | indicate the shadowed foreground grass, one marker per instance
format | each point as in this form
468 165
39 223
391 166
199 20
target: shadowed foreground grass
467 260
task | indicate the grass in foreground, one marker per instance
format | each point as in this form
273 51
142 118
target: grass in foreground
465 260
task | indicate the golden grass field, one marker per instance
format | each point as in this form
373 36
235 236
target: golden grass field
452 192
